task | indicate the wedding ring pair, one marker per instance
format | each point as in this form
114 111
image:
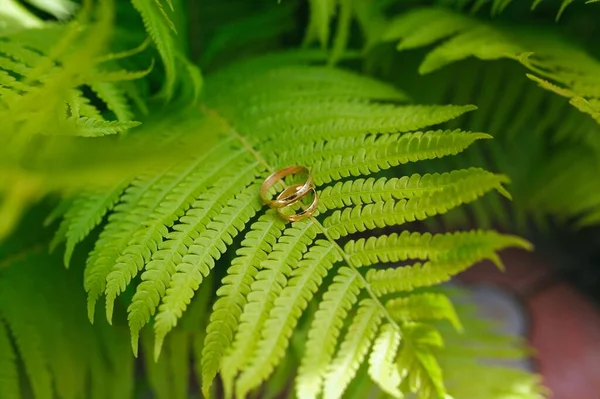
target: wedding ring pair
291 195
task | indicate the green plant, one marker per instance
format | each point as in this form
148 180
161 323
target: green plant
159 169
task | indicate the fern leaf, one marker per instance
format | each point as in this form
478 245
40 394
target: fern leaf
341 295
438 247
371 190
267 286
113 238
85 213
95 128
408 28
381 362
424 306
79 105
407 278
542 52
29 343
389 151
340 40
353 349
157 276
339 124
228 308
390 213
114 98
288 306
160 29
417 363
321 13
271 87
168 205
207 248
9 377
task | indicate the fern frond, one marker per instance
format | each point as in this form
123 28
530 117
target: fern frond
29 343
425 306
398 119
341 295
174 224
84 213
157 276
114 98
60 353
381 362
465 355
161 30
355 156
233 293
353 349
304 281
390 213
166 204
207 248
569 70
367 191
407 278
416 362
267 286
89 127
436 247
114 238
9 377
321 13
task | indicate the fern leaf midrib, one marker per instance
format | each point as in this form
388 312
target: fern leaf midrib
246 145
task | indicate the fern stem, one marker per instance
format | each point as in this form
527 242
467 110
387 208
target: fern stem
248 147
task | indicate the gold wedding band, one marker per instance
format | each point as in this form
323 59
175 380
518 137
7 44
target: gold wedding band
290 195
304 213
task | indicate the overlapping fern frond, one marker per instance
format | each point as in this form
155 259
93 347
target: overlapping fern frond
172 226
60 80
498 6
556 64
44 335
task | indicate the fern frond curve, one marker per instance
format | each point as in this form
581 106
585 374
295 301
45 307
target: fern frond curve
233 293
341 295
304 282
425 306
268 285
391 213
174 224
85 213
9 388
207 248
381 362
353 348
367 191
555 63
160 269
407 278
438 247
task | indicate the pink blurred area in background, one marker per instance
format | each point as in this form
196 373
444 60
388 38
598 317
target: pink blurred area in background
561 324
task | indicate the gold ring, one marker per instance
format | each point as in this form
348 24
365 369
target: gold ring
291 196
304 213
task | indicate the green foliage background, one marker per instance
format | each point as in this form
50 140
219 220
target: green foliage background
136 136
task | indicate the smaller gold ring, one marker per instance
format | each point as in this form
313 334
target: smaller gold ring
291 196
304 213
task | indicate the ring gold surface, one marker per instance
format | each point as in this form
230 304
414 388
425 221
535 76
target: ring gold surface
291 194
303 214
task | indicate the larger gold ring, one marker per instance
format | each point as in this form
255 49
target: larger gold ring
290 197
